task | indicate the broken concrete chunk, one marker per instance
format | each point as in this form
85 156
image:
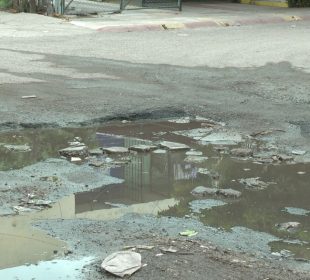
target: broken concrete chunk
229 193
96 163
40 202
297 211
213 174
122 263
197 205
289 226
80 151
242 152
298 152
202 191
143 148
222 138
95 152
115 150
254 183
173 146
75 159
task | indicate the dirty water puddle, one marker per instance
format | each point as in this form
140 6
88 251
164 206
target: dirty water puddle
154 179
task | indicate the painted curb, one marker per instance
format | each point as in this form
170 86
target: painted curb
202 24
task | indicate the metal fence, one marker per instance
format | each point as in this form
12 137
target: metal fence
91 7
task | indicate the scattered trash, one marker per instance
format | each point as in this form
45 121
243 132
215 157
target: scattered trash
75 159
173 146
254 183
213 174
115 150
289 226
122 263
188 233
296 211
28 96
79 151
301 172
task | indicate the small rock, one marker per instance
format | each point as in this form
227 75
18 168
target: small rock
143 148
242 152
289 226
229 192
202 191
173 146
298 152
297 211
254 183
115 150
96 163
80 151
95 152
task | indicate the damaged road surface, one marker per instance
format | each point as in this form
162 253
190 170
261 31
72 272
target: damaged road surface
185 198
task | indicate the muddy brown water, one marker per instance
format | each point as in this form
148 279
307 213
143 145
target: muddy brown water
159 184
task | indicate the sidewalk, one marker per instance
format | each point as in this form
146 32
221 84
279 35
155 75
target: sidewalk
194 15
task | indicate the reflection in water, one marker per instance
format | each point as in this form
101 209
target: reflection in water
157 183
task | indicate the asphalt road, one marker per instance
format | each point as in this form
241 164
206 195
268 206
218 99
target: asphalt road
252 77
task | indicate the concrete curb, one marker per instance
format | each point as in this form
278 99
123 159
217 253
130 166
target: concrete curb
201 24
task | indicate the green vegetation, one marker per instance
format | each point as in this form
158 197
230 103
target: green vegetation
299 3
4 4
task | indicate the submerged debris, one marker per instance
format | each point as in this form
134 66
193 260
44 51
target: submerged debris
203 191
17 148
122 263
143 148
241 152
115 150
254 183
222 138
296 211
173 146
76 151
197 205
289 226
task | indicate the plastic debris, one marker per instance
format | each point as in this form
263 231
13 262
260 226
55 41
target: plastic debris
188 233
122 263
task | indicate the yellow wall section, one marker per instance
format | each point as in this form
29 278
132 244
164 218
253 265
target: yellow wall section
266 3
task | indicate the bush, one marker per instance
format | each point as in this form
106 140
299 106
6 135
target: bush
299 3
4 4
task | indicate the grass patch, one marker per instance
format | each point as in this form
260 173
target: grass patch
4 4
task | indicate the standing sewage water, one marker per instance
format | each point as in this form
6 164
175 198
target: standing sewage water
243 184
